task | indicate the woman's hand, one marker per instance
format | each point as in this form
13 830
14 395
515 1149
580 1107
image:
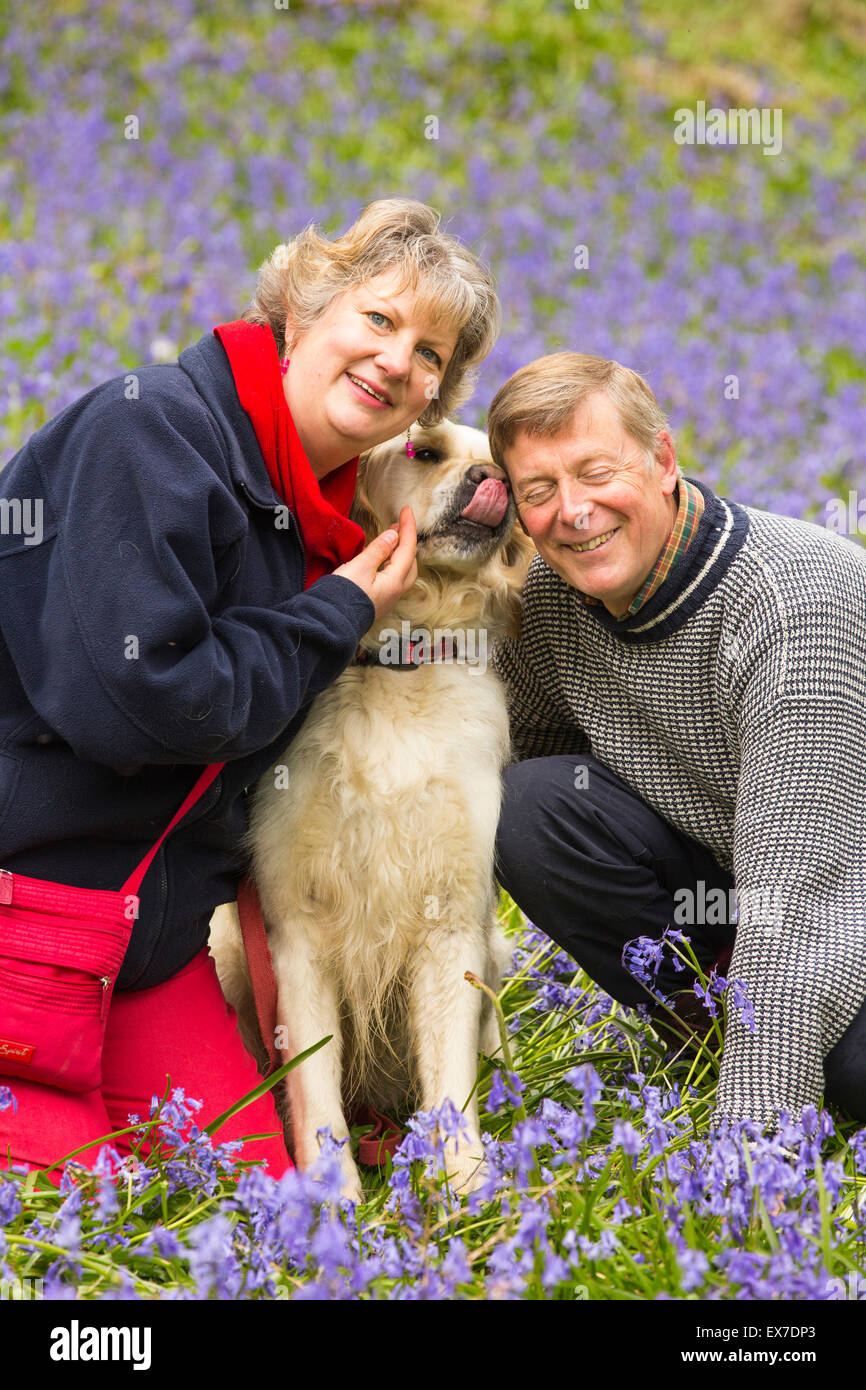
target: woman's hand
386 568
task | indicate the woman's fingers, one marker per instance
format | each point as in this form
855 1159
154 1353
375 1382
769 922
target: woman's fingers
399 570
401 563
386 568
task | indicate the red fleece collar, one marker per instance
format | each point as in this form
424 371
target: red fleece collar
321 506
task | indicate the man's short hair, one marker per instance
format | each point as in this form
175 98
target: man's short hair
541 398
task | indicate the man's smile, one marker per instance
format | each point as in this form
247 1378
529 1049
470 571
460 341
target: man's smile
596 543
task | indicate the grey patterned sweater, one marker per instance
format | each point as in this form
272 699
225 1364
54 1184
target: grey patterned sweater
734 703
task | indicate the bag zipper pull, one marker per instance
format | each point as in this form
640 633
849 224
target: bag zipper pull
6 881
106 985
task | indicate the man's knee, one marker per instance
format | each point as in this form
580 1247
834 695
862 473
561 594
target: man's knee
845 1069
538 796
539 786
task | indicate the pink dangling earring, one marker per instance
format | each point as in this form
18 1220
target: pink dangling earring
284 366
410 447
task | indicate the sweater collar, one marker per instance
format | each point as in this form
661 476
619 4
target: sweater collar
689 504
719 535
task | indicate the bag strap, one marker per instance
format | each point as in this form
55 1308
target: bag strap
133 883
261 969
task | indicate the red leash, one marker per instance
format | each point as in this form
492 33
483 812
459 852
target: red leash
384 1137
386 1134
261 968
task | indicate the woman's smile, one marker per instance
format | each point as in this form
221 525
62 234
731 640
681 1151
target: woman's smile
378 398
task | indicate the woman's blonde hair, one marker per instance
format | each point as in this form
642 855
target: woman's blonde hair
301 278
541 398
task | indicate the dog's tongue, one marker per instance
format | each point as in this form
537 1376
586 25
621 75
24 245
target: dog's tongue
489 503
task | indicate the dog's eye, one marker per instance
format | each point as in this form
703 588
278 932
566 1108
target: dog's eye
428 455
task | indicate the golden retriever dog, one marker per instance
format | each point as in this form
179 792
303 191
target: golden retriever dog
372 840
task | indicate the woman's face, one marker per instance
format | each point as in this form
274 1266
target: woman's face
375 334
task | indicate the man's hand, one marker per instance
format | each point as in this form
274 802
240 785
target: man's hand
386 569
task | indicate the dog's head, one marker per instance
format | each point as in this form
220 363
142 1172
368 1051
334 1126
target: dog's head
461 500
463 507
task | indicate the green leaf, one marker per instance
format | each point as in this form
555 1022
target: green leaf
265 1086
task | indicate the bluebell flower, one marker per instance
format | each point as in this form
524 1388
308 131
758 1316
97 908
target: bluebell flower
10 1199
505 1087
455 1265
67 1231
623 1211
706 997
739 999
532 1223
586 1079
491 1186
674 934
212 1260
858 1148
626 1137
601 1249
163 1241
508 1268
403 1203
642 958
554 1271
693 1267
59 1285
329 1246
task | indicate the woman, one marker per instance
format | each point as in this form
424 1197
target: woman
196 581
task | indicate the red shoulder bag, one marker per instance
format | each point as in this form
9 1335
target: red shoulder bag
61 949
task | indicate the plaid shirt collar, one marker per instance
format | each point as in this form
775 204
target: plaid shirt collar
690 509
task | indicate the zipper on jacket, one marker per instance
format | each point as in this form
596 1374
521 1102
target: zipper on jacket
6 882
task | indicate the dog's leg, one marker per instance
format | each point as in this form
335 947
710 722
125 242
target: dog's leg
499 955
227 949
307 1011
445 1013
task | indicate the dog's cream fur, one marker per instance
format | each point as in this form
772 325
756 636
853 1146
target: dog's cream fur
372 841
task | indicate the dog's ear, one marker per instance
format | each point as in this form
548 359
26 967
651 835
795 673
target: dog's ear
362 510
513 565
519 552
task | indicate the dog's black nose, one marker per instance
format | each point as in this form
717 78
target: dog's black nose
479 471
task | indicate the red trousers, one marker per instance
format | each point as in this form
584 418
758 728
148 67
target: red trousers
182 1030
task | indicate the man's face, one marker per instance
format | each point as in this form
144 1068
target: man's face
591 484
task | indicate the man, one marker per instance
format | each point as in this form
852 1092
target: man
688 702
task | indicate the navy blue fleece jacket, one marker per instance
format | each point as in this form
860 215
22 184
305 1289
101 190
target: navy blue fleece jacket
155 621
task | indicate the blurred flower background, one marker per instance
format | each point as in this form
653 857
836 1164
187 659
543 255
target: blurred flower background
153 155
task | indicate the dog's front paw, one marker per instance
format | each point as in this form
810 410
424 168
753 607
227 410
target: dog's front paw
309 1154
351 1187
466 1167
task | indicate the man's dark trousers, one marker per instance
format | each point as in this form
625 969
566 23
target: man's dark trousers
593 867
